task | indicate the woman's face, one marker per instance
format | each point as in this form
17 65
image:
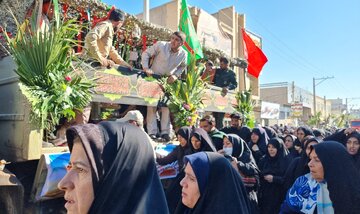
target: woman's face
196 143
289 142
316 167
352 145
272 150
227 143
254 138
190 189
308 148
77 183
181 140
300 134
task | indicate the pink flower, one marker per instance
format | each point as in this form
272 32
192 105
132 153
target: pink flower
189 119
186 106
68 78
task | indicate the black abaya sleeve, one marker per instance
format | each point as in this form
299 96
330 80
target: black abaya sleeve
172 157
289 174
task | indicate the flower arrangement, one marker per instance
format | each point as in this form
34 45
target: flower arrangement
245 106
48 79
186 96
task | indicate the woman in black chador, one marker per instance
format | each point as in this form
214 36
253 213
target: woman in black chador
112 170
272 169
299 166
332 186
201 141
172 187
243 161
258 143
211 185
183 135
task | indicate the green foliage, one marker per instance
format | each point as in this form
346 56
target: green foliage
107 113
315 120
245 106
53 86
186 96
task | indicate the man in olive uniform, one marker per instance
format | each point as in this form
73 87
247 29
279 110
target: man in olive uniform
98 42
225 79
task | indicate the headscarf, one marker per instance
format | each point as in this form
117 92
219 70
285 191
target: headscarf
356 157
278 143
227 196
275 165
302 168
204 138
93 143
357 136
185 132
271 133
307 131
263 139
201 167
292 151
129 182
240 148
341 176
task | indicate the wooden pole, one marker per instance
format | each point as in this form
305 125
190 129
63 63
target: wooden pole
38 20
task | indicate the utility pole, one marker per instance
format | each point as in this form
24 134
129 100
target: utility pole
146 13
325 106
322 79
346 103
293 92
314 96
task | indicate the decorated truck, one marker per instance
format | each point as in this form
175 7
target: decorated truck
22 138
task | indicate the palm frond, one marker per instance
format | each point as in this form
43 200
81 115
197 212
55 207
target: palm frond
47 77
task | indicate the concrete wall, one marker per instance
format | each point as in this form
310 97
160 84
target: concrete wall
167 15
275 95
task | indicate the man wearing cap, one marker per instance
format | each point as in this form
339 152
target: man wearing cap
237 128
135 118
169 60
98 42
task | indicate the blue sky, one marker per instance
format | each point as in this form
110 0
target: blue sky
302 39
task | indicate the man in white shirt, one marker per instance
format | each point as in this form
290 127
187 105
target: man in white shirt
169 60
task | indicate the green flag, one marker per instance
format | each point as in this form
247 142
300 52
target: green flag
192 44
56 12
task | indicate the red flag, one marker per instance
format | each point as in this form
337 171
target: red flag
254 55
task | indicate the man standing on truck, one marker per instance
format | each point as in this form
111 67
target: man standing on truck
98 42
225 79
169 60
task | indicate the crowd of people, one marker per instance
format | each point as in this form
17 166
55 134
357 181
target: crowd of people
234 169
293 171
